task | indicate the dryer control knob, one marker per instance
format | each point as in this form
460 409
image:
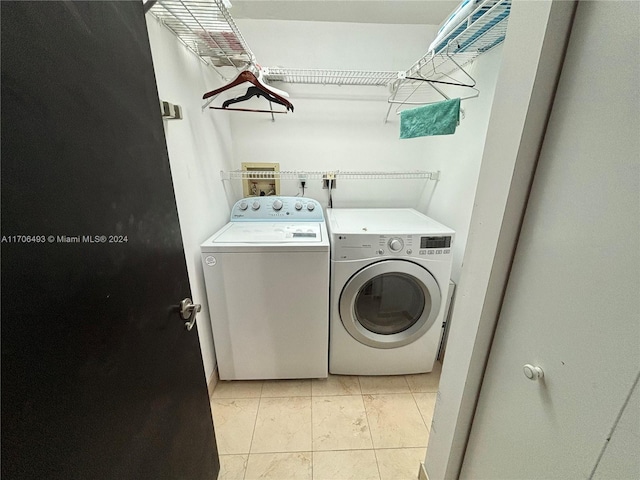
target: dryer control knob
395 245
243 206
310 206
298 205
255 205
277 205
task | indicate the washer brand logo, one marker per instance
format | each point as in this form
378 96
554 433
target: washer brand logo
210 260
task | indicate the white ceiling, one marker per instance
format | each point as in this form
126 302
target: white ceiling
429 12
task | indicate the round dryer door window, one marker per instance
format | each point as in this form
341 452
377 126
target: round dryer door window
390 303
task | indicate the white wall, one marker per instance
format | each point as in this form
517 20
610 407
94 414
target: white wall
199 147
348 46
334 128
458 157
342 128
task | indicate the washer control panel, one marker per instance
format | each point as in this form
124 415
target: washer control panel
290 209
360 246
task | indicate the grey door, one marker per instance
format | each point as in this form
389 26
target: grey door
100 379
571 304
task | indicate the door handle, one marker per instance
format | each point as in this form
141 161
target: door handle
189 310
532 372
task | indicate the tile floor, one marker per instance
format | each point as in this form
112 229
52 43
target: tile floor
343 427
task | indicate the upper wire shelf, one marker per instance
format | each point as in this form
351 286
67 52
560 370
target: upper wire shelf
329 77
482 30
320 175
206 27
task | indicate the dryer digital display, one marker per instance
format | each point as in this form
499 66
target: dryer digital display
435 242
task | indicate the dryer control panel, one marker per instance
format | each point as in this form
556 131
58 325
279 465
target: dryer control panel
274 209
362 246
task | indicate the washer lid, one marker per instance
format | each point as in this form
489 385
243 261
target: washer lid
262 232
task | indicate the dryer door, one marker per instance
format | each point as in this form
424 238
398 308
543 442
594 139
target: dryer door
390 303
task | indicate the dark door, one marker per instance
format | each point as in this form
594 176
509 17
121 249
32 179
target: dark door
100 379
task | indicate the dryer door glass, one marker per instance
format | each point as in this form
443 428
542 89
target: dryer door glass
390 303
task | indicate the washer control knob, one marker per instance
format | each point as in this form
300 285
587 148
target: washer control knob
243 206
310 206
409 252
532 372
298 205
277 205
255 205
395 245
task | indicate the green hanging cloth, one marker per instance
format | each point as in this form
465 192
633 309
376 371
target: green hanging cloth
440 118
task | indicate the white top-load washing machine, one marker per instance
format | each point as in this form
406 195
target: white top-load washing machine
267 280
390 270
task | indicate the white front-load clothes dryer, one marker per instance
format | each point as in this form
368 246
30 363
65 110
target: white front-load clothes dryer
390 272
267 279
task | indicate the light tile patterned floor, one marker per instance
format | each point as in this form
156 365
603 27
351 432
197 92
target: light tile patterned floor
340 428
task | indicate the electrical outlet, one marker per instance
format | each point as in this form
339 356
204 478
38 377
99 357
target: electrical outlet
326 181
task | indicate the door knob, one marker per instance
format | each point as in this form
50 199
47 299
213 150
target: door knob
189 310
532 372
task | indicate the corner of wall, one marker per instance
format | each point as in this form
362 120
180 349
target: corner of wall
199 146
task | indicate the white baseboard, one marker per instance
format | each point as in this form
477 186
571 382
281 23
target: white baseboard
213 381
422 473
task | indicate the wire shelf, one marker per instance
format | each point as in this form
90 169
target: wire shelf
207 28
330 77
482 30
320 175
485 28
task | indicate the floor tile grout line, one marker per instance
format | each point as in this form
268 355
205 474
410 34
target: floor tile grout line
253 433
366 414
312 450
335 450
375 455
371 434
419 411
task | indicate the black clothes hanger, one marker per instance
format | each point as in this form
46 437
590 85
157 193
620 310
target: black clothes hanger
248 76
252 92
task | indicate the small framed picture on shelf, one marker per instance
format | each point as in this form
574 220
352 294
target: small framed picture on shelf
263 182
